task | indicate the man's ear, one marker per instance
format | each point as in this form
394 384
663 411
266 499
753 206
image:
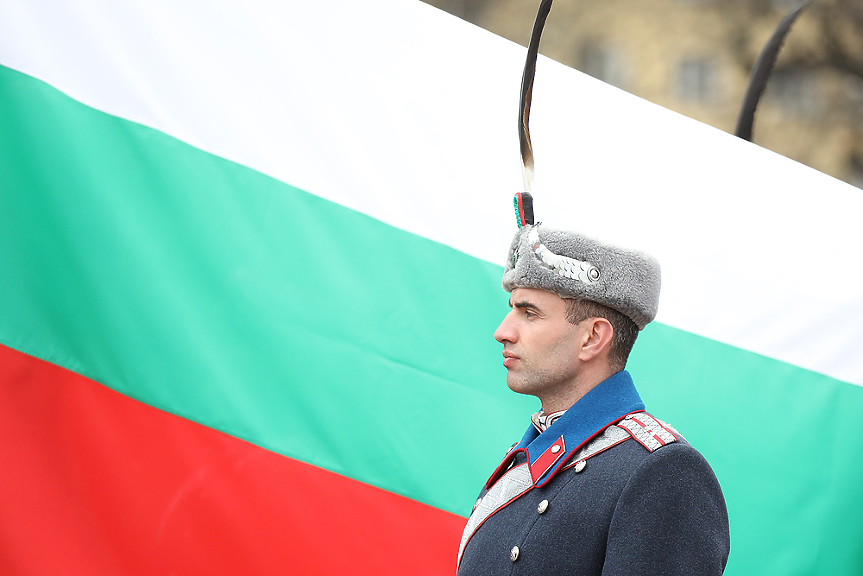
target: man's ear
597 338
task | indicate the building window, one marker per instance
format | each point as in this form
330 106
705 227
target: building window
796 90
696 80
604 62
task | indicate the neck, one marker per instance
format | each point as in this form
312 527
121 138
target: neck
584 382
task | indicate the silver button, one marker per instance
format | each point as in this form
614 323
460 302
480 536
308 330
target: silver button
555 449
543 506
513 554
579 466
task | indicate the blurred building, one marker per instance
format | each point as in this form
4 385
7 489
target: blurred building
695 56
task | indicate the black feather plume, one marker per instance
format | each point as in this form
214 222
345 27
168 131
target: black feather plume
527 93
761 73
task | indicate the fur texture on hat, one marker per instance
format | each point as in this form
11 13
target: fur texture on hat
575 266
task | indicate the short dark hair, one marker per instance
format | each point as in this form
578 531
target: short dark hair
625 330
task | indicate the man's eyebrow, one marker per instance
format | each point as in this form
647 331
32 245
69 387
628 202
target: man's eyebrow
524 305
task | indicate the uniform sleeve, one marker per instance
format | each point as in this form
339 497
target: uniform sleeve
670 519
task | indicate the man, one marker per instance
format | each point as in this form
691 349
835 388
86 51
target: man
596 485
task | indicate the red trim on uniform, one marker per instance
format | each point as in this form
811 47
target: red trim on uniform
676 437
650 430
634 437
503 467
547 459
97 483
661 425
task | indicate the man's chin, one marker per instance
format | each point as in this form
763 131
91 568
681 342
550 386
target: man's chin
517 385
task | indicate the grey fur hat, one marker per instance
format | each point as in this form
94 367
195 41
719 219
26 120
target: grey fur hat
575 266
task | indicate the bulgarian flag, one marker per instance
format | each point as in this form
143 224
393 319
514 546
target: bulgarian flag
250 262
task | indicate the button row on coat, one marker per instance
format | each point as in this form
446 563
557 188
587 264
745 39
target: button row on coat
543 506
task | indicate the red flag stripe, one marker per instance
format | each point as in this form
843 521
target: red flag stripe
94 482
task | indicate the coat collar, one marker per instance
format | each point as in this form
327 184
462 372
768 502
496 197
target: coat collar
607 403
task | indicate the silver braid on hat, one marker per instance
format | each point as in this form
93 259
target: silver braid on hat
563 265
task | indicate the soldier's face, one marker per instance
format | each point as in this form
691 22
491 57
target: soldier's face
539 345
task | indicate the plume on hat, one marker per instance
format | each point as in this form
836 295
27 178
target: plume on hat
565 263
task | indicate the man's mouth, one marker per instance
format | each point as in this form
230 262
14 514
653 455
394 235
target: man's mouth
509 359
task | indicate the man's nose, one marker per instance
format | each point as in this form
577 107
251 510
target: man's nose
506 331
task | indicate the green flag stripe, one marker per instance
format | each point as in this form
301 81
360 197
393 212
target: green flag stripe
216 293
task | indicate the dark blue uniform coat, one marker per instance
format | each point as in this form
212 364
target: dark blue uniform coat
607 489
